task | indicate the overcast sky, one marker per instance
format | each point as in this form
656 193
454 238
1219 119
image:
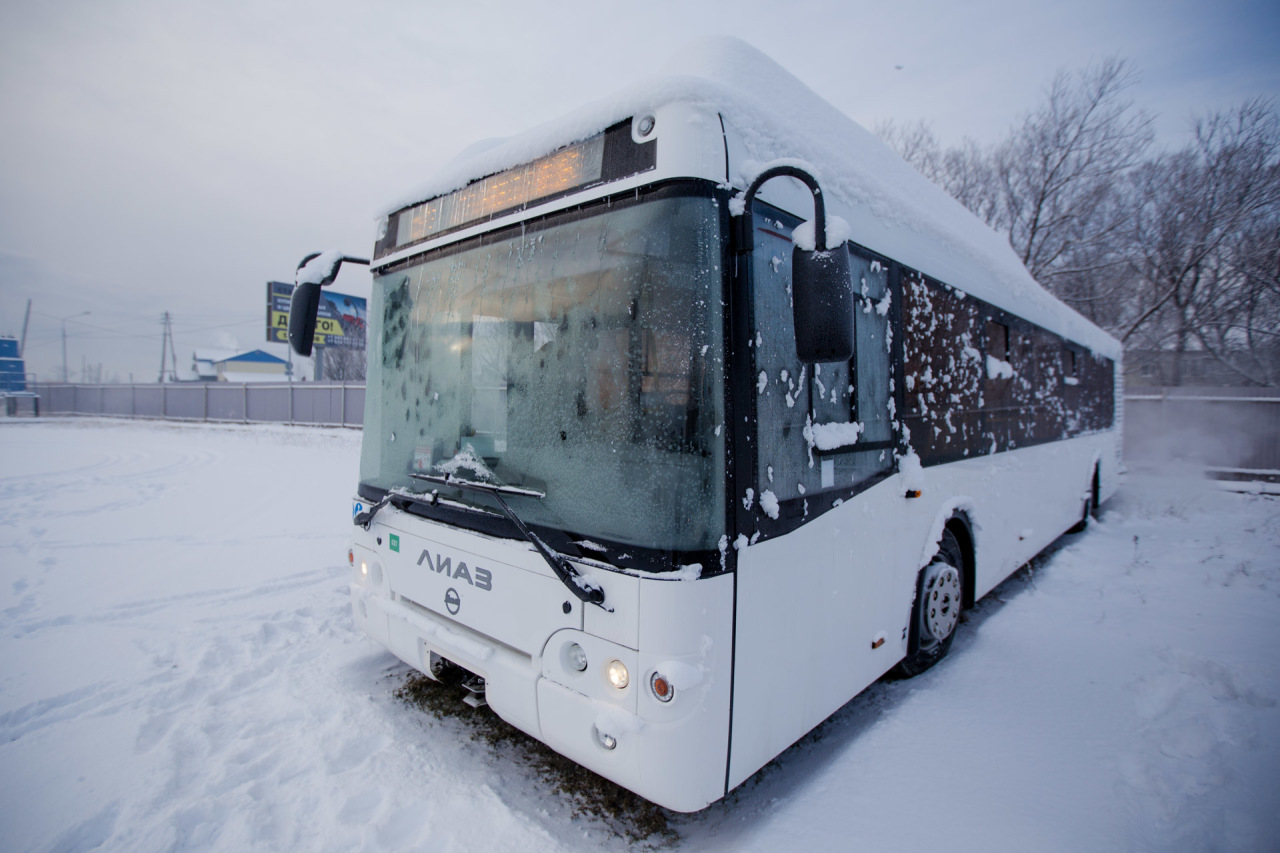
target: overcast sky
164 156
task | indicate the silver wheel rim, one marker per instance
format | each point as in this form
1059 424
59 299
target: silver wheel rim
941 600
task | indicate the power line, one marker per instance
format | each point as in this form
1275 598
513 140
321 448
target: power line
119 332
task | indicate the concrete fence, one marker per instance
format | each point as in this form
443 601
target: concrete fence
1231 429
317 404
1235 431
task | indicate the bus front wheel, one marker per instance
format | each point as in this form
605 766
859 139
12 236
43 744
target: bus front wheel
936 612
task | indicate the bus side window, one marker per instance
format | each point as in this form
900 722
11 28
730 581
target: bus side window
998 388
943 370
997 340
795 403
781 382
872 354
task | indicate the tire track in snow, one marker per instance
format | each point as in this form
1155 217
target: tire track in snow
131 611
29 497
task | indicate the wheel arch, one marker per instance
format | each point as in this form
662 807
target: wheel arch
961 528
1095 482
957 516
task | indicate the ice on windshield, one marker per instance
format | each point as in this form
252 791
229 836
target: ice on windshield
581 359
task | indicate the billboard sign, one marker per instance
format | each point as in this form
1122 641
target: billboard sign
341 321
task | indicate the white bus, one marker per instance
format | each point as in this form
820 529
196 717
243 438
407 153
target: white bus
610 482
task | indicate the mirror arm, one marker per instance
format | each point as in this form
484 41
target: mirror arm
333 273
743 232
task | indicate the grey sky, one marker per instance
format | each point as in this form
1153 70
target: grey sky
175 156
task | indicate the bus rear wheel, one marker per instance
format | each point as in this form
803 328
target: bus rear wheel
1090 504
936 612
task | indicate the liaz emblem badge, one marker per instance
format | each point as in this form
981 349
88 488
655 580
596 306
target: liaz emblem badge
452 601
395 543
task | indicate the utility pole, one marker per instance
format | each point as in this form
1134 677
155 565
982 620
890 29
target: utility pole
166 349
164 342
173 355
22 346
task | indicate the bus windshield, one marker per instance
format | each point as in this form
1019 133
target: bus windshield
579 357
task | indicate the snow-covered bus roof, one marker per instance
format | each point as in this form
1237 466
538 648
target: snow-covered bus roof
890 207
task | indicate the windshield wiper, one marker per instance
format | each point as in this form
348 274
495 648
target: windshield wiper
563 569
364 519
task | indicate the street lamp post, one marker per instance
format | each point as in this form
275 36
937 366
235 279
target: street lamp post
64 341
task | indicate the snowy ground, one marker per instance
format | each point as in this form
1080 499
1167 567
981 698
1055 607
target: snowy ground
178 670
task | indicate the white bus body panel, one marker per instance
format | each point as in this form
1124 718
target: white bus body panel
516 635
811 606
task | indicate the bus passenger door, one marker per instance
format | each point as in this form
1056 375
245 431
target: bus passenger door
814 577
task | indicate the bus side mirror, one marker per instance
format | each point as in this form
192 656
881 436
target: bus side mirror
303 311
315 271
821 280
822 304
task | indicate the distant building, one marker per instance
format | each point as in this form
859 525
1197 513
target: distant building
217 365
204 363
13 371
252 366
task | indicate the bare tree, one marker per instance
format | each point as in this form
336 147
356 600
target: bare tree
1053 187
1175 254
344 364
965 171
1204 248
1058 176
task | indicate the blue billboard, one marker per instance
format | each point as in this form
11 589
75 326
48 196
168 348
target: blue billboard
341 322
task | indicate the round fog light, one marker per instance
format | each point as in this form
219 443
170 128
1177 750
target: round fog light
618 675
662 689
577 657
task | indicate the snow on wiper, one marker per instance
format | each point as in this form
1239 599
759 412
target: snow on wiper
581 587
478 486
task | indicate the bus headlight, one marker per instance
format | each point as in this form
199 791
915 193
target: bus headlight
618 675
577 658
369 572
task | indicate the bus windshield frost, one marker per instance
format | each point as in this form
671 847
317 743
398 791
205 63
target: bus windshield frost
581 357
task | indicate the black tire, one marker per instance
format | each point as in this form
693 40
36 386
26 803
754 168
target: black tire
1090 505
935 615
